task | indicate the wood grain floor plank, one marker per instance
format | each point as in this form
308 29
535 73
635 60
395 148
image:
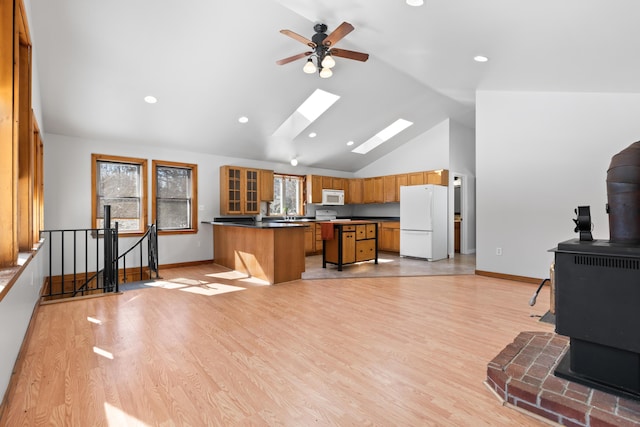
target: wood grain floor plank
376 351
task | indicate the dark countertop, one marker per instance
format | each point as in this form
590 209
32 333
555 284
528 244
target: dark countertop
254 224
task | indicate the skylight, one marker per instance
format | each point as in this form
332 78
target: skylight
384 135
312 108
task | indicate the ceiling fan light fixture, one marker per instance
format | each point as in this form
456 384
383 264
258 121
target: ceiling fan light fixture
325 73
328 61
309 67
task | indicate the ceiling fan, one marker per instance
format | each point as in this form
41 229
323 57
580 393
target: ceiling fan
322 48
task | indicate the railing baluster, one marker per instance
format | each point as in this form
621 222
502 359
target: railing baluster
86 256
62 258
50 264
74 261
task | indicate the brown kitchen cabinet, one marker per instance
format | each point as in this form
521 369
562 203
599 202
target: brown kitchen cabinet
353 241
266 185
416 178
401 179
239 190
390 236
389 189
314 188
356 189
373 190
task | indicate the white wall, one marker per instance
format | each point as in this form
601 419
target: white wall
15 313
538 157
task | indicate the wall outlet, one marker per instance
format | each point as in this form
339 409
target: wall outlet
498 251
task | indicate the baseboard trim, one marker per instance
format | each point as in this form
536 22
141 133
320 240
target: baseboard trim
185 264
508 276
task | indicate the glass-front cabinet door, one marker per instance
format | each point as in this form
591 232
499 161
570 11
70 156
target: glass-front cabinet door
252 184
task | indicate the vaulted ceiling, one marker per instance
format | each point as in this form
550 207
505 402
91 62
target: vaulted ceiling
208 62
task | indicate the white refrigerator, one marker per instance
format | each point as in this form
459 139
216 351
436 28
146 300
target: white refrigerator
423 221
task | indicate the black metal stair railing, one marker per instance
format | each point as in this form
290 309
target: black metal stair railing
105 277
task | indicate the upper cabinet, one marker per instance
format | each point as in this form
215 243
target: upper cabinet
266 185
373 190
314 189
241 190
355 191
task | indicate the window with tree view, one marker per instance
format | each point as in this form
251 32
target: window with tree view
287 195
120 183
174 196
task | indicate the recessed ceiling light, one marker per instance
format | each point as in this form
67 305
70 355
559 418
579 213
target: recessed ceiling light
480 58
294 162
150 99
384 135
415 2
243 119
350 143
313 135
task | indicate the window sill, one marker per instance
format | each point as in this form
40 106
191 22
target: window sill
8 276
169 232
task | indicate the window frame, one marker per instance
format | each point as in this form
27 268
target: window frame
95 158
194 195
301 190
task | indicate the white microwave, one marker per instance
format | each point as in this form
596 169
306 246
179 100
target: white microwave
332 197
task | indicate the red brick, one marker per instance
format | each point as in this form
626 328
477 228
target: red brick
515 371
570 423
546 360
554 384
578 388
567 408
497 376
554 352
499 391
598 418
524 359
536 410
539 342
501 360
580 397
536 382
538 371
523 391
524 337
511 350
604 401
629 408
559 341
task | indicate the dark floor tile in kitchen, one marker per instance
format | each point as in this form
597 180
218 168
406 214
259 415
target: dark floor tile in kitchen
391 265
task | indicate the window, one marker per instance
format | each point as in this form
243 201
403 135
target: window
287 195
175 200
120 182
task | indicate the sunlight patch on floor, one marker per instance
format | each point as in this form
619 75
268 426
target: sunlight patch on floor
116 417
229 275
94 320
166 285
103 353
212 289
190 282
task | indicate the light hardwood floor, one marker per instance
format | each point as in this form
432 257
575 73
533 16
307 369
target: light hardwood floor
205 347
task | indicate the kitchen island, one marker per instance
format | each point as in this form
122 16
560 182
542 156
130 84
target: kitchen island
347 242
270 251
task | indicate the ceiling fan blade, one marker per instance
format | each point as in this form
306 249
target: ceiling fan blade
298 37
293 58
349 54
337 34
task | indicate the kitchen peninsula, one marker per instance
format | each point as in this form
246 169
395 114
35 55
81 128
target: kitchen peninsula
270 251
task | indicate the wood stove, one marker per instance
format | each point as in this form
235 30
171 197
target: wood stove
597 292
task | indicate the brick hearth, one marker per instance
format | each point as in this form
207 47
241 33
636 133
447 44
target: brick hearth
522 375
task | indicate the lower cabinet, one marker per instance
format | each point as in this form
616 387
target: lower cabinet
390 236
